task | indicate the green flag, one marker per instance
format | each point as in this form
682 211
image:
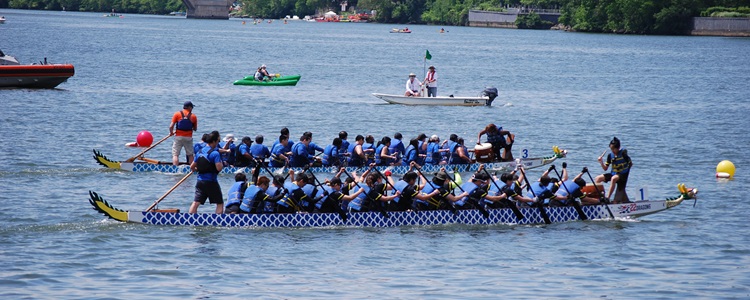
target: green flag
427 55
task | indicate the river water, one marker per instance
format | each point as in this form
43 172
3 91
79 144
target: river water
678 104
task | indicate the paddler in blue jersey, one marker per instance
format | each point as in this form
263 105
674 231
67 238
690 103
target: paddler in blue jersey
244 155
259 151
331 154
621 164
300 155
208 164
279 155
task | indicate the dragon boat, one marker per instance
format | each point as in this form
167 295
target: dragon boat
150 165
527 216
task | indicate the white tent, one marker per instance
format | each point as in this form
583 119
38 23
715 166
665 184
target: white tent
330 14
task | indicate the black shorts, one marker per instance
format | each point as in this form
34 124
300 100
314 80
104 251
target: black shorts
621 183
210 190
234 208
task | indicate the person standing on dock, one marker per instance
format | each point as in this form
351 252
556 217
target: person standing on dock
431 82
183 124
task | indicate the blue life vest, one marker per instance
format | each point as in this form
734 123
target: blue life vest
299 156
410 155
331 156
234 196
541 192
620 163
272 191
290 187
323 194
433 154
184 123
378 160
356 203
344 147
249 198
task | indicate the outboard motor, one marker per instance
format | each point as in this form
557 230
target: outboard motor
490 92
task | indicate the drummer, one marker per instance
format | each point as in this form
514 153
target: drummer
496 137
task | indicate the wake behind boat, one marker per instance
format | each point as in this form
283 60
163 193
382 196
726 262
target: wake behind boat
43 75
531 216
488 95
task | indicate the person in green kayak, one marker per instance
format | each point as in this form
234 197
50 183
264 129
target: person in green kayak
262 73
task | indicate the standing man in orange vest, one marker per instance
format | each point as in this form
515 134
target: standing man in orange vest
183 124
431 82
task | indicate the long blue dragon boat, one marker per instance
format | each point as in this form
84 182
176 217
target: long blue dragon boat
168 167
528 216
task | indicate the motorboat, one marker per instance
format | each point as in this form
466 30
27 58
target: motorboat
488 95
42 76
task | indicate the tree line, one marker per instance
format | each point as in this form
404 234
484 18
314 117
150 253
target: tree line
614 16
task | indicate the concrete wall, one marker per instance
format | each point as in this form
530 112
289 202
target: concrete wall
207 9
721 26
480 18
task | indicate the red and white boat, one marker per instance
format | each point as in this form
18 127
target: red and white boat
41 76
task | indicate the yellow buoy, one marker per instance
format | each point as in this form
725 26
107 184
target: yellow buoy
725 169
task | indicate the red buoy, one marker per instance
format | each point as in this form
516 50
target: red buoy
144 139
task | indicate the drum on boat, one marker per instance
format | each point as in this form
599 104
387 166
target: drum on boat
483 153
592 191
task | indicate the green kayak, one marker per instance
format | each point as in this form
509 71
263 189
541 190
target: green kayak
278 81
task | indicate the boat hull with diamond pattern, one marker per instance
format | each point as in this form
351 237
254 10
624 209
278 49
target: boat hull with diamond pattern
375 219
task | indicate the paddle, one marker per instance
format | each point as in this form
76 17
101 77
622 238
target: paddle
450 206
513 207
576 205
169 191
379 208
481 209
585 169
540 205
341 213
132 159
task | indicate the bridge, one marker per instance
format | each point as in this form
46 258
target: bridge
208 9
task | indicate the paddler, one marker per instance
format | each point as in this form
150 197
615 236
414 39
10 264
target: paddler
357 157
244 154
259 151
208 164
236 192
255 196
408 191
300 155
574 187
621 163
279 155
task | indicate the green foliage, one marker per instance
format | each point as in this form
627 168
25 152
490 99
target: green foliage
620 16
532 21
726 12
